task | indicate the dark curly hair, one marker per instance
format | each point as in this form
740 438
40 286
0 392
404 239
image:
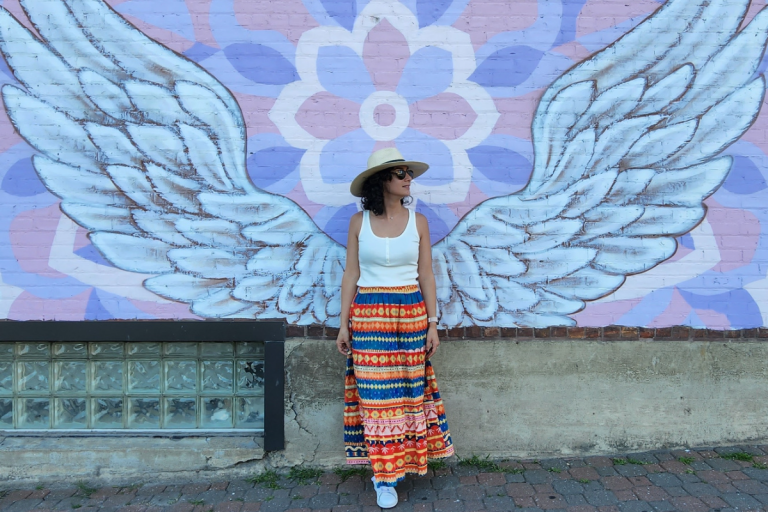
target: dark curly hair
372 198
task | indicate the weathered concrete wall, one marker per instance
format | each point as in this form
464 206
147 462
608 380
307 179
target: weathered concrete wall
505 398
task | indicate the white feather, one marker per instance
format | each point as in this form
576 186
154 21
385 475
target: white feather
101 218
134 253
204 157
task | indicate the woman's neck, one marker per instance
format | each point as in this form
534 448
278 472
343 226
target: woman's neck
392 205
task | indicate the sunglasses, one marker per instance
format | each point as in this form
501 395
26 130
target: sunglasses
400 173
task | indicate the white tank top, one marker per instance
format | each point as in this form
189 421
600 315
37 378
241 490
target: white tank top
388 261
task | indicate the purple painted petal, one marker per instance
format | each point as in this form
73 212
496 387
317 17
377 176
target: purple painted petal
21 180
745 177
345 157
343 11
342 72
737 305
90 253
261 64
686 241
271 165
429 11
415 145
428 72
337 226
200 51
571 10
507 67
500 164
95 311
438 228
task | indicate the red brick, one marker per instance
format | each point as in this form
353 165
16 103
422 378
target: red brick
219 486
314 330
611 332
236 506
509 332
195 488
689 454
586 473
724 487
456 332
491 479
548 501
524 332
39 494
559 332
615 482
663 332
576 333
736 475
519 490
645 333
629 333
329 479
653 468
639 480
331 332
294 331
473 331
711 476
524 502
625 495
468 480
681 333
689 504
599 462
650 493
491 332
531 465
510 465
541 332
543 488
708 454
674 466
713 501
17 495
252 507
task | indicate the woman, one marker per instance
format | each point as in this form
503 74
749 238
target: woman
393 415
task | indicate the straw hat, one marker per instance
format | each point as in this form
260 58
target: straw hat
384 159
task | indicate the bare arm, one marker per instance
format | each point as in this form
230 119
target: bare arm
349 283
427 281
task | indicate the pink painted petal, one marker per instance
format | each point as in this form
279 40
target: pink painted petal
31 235
289 17
598 314
517 114
385 53
175 311
446 116
298 196
327 116
737 234
597 15
474 197
30 307
256 113
675 314
483 19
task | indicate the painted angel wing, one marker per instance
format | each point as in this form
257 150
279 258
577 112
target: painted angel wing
626 147
147 152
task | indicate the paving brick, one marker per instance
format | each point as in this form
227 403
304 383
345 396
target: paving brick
542 488
448 506
741 501
762 498
624 495
574 500
471 492
713 477
24 505
631 470
582 508
724 464
650 493
607 471
639 480
653 468
700 489
599 462
662 506
736 475
326 500
750 486
585 473
635 506
235 506
689 504
600 498
498 503
676 491
615 482
549 501
468 480
491 479
713 501
665 480
567 487
446 482
538 476
674 466
519 490
757 474
524 501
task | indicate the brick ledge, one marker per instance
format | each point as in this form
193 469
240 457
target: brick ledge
608 333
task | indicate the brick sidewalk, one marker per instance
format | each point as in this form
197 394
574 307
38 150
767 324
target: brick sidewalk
720 479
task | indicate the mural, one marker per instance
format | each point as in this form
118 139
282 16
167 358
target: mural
192 159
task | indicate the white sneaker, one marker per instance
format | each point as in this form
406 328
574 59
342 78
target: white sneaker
386 497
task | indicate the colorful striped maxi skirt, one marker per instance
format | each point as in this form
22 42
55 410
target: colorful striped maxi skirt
393 415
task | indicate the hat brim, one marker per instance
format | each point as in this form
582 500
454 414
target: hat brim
356 187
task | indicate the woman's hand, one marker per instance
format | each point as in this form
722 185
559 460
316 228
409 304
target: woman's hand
342 342
432 340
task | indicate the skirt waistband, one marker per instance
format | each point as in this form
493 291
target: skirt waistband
410 288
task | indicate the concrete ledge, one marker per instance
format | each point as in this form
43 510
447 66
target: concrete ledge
505 397
514 398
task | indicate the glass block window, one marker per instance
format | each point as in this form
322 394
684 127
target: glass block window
113 385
